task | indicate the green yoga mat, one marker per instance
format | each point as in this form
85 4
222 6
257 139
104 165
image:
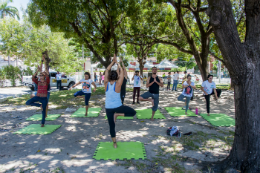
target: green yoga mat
219 119
92 112
37 129
123 118
147 114
38 117
178 112
124 150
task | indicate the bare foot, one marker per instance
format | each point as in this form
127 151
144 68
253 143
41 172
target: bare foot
41 108
152 102
115 117
208 114
115 145
186 113
152 119
86 114
42 125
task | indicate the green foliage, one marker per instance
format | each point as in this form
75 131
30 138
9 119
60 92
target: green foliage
6 10
185 62
2 77
28 43
27 72
92 23
12 73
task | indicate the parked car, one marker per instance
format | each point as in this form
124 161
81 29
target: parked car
65 81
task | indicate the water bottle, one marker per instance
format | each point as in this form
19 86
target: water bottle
197 111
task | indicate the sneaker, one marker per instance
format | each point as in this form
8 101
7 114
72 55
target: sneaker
138 102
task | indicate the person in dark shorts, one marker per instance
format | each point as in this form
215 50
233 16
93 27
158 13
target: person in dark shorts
86 89
154 83
123 87
114 107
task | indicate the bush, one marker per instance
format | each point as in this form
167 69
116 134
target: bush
12 73
2 77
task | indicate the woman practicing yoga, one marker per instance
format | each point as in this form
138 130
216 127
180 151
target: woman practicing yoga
41 93
188 88
86 89
114 108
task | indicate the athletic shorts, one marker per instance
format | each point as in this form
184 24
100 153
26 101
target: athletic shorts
146 95
81 93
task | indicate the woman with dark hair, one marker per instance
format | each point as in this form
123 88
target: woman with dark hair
114 107
42 93
86 89
209 88
188 88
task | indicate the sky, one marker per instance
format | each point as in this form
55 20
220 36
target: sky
18 4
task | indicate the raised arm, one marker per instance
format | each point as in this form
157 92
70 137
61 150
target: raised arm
75 85
120 80
45 65
108 69
123 67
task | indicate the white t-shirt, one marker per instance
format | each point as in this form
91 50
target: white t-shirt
86 85
175 77
58 76
137 81
208 87
188 91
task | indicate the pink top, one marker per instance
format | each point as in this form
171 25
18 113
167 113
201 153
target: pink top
42 86
103 77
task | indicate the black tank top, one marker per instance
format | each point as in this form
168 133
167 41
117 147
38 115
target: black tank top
123 87
154 88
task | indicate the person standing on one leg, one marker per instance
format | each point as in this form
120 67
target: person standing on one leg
41 93
58 79
188 88
137 85
123 87
86 89
209 88
169 81
175 81
114 108
154 83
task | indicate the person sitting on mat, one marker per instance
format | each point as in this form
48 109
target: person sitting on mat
86 89
209 88
41 93
114 107
188 88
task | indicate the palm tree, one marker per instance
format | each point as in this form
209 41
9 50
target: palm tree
6 10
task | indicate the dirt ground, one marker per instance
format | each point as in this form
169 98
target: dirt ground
71 147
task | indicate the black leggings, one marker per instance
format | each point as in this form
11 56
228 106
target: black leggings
207 97
128 111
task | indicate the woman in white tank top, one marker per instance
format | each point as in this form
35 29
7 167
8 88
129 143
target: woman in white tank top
114 108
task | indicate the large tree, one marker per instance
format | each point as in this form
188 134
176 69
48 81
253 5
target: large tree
242 58
94 23
188 29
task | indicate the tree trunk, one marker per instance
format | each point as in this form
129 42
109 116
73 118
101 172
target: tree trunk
242 61
141 66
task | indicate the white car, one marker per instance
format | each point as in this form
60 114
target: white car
65 81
